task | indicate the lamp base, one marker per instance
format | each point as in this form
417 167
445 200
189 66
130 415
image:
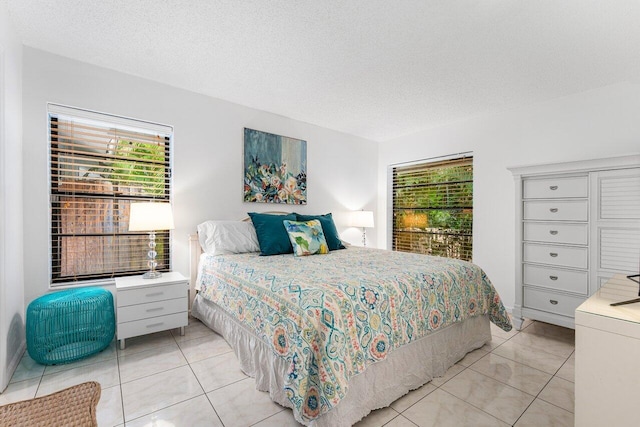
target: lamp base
151 255
152 275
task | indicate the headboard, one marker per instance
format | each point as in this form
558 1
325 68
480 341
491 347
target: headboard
195 250
194 256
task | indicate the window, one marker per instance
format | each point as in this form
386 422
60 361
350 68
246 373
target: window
99 165
433 208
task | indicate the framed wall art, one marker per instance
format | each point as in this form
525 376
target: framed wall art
275 168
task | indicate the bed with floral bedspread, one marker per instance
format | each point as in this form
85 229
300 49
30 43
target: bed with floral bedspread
331 316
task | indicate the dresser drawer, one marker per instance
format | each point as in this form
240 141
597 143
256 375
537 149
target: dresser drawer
152 309
149 326
575 234
552 188
564 305
147 294
556 278
562 256
560 210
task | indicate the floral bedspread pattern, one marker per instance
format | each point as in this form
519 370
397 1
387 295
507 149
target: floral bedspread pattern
332 315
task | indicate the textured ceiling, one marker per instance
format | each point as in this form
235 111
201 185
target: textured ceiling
377 69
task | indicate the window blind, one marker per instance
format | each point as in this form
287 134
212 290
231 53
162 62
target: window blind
433 208
98 168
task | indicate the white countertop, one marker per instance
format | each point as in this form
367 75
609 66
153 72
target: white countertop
618 288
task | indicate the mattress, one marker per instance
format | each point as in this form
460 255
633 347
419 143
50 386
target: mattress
319 332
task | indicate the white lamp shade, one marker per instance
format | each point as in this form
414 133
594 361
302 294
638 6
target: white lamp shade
361 219
150 216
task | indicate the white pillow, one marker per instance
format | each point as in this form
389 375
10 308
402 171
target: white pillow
227 237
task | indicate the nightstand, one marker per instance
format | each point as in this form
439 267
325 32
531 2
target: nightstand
145 306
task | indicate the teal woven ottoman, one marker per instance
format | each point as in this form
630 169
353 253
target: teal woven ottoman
69 325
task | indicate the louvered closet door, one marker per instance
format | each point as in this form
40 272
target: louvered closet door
616 225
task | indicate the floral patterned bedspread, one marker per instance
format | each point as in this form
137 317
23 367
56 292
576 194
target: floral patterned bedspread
330 316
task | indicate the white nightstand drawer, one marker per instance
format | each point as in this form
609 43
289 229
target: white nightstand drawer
564 305
559 210
149 326
562 256
152 309
556 278
151 293
145 306
575 234
551 188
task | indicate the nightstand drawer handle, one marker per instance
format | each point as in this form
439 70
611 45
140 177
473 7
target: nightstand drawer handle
553 187
553 232
554 302
553 254
154 309
153 325
154 294
553 210
553 277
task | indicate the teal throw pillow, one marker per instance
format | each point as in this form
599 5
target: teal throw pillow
329 228
307 237
272 236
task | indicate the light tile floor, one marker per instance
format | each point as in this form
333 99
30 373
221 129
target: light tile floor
520 378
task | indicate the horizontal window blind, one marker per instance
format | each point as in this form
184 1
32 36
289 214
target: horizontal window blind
98 169
433 208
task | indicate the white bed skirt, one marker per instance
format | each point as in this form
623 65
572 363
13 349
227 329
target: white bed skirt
405 369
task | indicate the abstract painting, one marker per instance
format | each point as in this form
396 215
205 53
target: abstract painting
275 168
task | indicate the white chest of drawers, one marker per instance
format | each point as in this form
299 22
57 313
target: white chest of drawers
554 244
576 226
146 306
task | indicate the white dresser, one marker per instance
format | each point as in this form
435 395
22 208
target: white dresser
607 376
577 223
145 306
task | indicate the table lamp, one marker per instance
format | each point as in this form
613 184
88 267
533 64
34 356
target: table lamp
151 217
362 219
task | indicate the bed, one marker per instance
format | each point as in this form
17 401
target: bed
337 335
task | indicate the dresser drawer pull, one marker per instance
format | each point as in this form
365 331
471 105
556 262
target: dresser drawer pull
153 325
553 254
553 187
155 309
553 302
553 277
553 232
154 294
553 210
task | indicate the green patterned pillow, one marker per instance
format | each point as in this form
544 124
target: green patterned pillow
306 237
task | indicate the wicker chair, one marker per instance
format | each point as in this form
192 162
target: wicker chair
72 407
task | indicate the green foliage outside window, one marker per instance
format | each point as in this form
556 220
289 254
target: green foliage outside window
139 164
433 209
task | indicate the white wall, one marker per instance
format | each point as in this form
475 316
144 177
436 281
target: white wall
594 124
342 168
208 140
12 340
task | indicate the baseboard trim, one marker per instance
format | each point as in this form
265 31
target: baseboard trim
13 365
